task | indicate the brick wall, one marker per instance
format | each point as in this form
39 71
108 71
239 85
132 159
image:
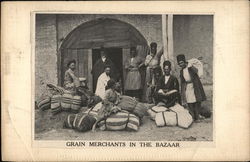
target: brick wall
45 59
192 36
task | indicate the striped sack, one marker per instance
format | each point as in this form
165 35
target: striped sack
83 122
68 123
167 118
76 103
156 109
127 103
44 103
56 104
121 121
66 101
184 117
140 110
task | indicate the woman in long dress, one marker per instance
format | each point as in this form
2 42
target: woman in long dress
133 80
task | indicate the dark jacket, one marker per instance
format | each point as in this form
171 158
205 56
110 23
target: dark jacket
198 88
172 84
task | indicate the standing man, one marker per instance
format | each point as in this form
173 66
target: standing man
133 79
99 66
152 61
102 82
192 91
167 89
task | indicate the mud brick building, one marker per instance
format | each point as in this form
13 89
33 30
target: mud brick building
61 37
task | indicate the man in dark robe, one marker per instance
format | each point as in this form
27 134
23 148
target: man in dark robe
167 89
192 91
99 66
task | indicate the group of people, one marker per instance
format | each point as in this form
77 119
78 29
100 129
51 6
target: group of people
161 88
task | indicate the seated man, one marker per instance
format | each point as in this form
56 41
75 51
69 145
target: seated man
167 89
71 82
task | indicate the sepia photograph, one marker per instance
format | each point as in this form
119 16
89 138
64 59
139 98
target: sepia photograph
136 77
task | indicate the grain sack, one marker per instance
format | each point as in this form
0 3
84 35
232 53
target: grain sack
56 104
127 103
156 109
68 123
140 110
121 121
184 117
44 103
167 118
197 64
83 122
94 111
66 101
76 103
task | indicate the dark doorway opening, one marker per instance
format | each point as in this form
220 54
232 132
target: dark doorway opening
115 55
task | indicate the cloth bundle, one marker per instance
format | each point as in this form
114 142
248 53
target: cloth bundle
184 118
197 64
56 104
175 115
44 103
127 103
130 104
80 122
156 109
121 121
70 102
166 118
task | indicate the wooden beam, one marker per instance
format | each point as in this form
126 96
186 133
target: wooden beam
164 36
90 77
170 37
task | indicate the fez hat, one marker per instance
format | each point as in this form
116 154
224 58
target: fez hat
153 44
167 63
181 57
70 62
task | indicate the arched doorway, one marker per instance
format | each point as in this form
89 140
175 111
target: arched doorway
83 43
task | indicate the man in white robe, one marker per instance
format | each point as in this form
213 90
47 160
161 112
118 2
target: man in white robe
102 82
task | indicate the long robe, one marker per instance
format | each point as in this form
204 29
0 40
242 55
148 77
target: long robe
133 78
98 69
171 84
101 85
70 81
196 83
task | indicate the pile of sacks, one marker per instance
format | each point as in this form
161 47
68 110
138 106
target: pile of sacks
176 115
60 102
128 118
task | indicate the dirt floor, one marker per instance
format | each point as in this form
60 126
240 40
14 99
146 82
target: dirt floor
49 127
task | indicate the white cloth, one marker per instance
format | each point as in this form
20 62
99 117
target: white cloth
166 79
103 59
190 96
101 84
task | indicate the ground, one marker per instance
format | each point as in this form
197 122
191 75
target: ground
49 127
